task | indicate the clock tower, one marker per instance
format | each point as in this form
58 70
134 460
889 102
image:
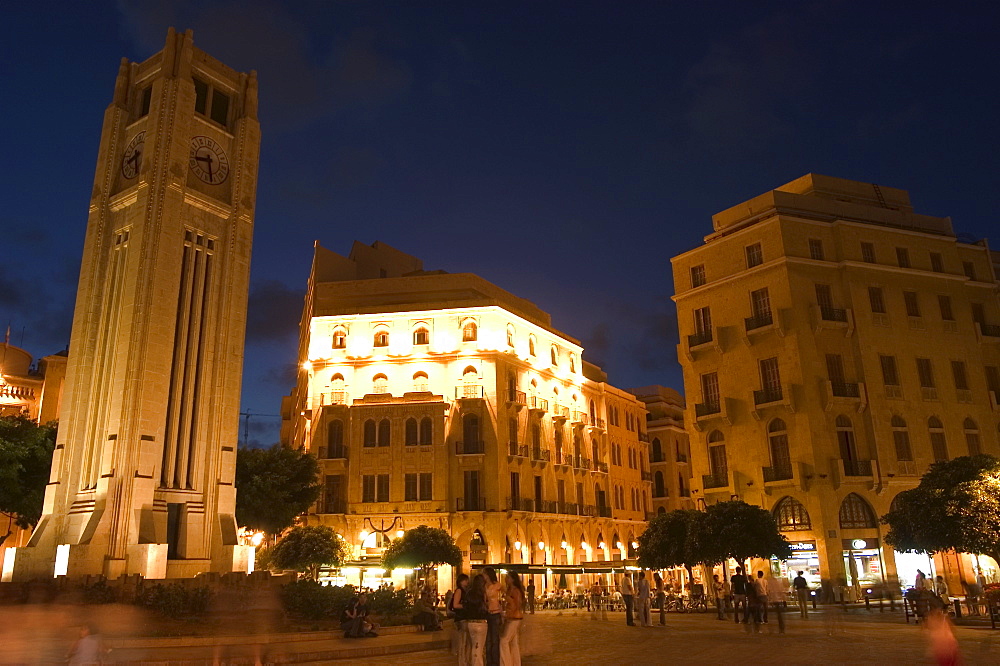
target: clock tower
142 476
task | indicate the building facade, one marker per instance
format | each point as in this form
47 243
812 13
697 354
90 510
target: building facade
440 399
142 476
834 344
669 449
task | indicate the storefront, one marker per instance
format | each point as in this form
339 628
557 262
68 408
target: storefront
805 558
863 562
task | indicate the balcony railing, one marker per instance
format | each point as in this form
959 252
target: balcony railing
702 338
540 404
569 508
588 510
335 506
336 452
657 457
470 504
759 321
16 392
470 448
990 330
682 457
601 467
777 473
832 314
647 476
546 506
604 511
333 398
520 504
580 462
717 480
468 391
560 411
845 390
906 468
857 467
928 393
707 408
519 450
581 418
767 395
561 458
517 397
540 454
598 423
643 437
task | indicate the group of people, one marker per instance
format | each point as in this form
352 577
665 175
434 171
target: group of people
488 618
756 595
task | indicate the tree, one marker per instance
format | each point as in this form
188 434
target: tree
308 548
273 487
25 464
955 507
672 539
741 531
422 546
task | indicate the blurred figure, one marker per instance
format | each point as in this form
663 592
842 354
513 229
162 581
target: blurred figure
741 587
719 590
476 614
776 593
642 596
530 595
802 594
941 589
942 644
510 646
661 598
628 596
88 648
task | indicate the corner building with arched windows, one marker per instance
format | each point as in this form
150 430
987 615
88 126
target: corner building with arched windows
440 399
834 344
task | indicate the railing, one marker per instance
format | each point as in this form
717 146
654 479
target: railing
520 504
893 391
845 390
336 452
581 417
580 462
700 338
599 423
604 511
707 409
928 393
569 508
333 398
541 404
546 506
561 458
647 476
657 457
906 468
470 504
468 391
832 314
17 392
990 330
682 457
759 321
470 448
519 450
601 467
560 411
857 467
715 480
777 473
538 453
588 510
643 437
660 494
764 396
517 397
335 506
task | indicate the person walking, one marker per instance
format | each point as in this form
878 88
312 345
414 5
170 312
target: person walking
628 597
474 604
661 598
776 590
761 592
643 597
530 595
456 606
802 594
719 590
494 621
740 585
510 645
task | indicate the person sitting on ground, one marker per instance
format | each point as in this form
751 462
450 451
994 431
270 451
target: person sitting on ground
354 620
424 613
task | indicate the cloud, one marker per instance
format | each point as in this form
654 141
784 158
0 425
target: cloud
273 312
597 343
14 292
365 74
283 375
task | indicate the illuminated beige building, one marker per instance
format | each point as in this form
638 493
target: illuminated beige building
669 450
441 399
142 476
834 344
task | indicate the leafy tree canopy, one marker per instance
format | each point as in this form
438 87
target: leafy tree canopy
955 507
672 539
273 487
420 547
741 531
25 463
308 548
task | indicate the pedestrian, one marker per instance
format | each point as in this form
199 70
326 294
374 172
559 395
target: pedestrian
661 598
476 614
494 621
802 594
740 586
510 645
776 590
458 609
719 590
941 589
531 595
628 597
761 592
88 648
643 598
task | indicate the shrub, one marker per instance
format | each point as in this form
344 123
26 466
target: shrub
175 600
388 601
309 600
99 593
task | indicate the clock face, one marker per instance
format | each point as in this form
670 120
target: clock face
208 160
132 160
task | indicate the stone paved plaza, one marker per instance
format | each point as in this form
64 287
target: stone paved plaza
826 638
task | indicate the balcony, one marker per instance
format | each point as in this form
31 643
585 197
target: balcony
715 480
768 395
964 396
988 332
893 392
771 397
710 411
647 476
601 467
517 450
568 508
949 326
470 504
536 404
758 321
846 393
580 418
520 504
995 400
597 423
588 510
541 455
546 506
561 458
682 457
831 314
855 468
335 452
928 393
17 392
469 392
881 319
604 511
472 448
579 462
333 398
644 437
701 341
702 338
906 468
707 409
778 473
517 398
560 412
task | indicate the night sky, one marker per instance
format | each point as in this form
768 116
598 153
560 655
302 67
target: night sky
563 150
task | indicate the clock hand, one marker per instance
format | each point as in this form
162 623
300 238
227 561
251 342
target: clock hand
205 158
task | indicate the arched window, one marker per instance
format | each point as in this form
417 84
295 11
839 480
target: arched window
777 439
420 382
510 335
381 338
901 439
369 433
338 396
470 332
791 515
339 338
553 356
380 384
426 431
410 434
384 432
661 509
470 432
845 439
972 437
939 445
659 488
335 439
421 336
856 513
531 345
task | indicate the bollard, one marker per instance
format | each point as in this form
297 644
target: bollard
868 604
813 595
958 609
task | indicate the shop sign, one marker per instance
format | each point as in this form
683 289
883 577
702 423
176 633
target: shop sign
803 547
859 544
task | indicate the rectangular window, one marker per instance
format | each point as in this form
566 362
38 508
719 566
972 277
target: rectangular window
702 321
220 107
876 300
333 494
890 374
471 488
901 439
410 488
710 389
903 257
816 249
770 379
912 305
868 253
512 429
937 264
926 372
147 97
368 488
426 486
538 492
993 379
718 463
200 96
515 489
561 492
824 296
760 303
978 314
958 372
697 275
382 488
970 269
754 255
835 368
579 494
944 303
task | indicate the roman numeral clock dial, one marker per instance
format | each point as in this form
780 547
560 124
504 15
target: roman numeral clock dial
208 160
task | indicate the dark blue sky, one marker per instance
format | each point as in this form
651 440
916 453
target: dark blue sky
564 150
